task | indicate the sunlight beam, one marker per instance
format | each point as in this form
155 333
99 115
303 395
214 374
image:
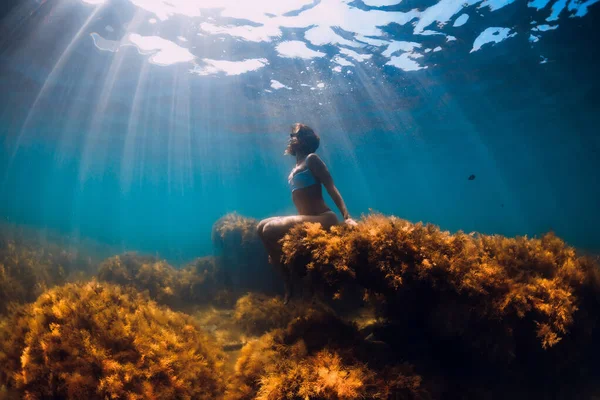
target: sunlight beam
52 78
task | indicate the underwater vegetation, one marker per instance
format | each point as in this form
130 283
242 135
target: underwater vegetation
319 356
145 273
257 313
520 307
233 224
97 341
198 282
202 281
29 267
403 311
26 273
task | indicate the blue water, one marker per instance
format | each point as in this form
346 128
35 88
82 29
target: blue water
144 153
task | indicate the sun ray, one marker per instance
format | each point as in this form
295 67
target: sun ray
51 79
90 149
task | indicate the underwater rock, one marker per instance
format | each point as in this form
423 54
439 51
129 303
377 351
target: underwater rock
145 273
448 316
318 356
242 257
514 305
27 269
202 281
257 313
96 341
199 282
235 224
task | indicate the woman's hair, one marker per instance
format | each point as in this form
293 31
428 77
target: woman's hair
308 140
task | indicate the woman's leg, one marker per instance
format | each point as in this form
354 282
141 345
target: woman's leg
260 231
272 251
261 226
273 230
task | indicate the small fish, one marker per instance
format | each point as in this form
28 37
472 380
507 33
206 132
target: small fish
471 177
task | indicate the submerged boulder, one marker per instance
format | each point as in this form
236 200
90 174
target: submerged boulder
489 306
97 340
199 282
242 257
319 356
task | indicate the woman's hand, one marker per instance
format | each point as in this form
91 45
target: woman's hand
350 222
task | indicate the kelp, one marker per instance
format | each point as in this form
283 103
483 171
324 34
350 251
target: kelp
97 340
504 301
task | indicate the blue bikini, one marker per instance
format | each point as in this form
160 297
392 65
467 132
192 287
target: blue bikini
302 179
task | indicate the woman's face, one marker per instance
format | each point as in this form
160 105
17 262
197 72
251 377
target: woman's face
293 144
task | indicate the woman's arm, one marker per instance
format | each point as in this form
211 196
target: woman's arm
319 169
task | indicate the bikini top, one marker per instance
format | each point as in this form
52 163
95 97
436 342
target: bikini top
302 179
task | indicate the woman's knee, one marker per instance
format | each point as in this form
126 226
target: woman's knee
260 227
329 221
272 231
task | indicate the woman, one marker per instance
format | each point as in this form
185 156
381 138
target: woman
305 182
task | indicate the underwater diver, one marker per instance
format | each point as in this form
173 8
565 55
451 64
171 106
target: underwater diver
305 182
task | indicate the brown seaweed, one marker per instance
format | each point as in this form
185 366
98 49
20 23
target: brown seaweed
96 341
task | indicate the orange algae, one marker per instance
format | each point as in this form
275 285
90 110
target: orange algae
492 307
27 270
145 273
235 224
196 283
499 276
257 313
323 375
97 340
317 356
479 316
32 261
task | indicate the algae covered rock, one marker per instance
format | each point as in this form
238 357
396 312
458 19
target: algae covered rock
257 313
199 282
242 257
26 270
32 261
145 273
492 277
492 307
97 340
318 356
202 281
